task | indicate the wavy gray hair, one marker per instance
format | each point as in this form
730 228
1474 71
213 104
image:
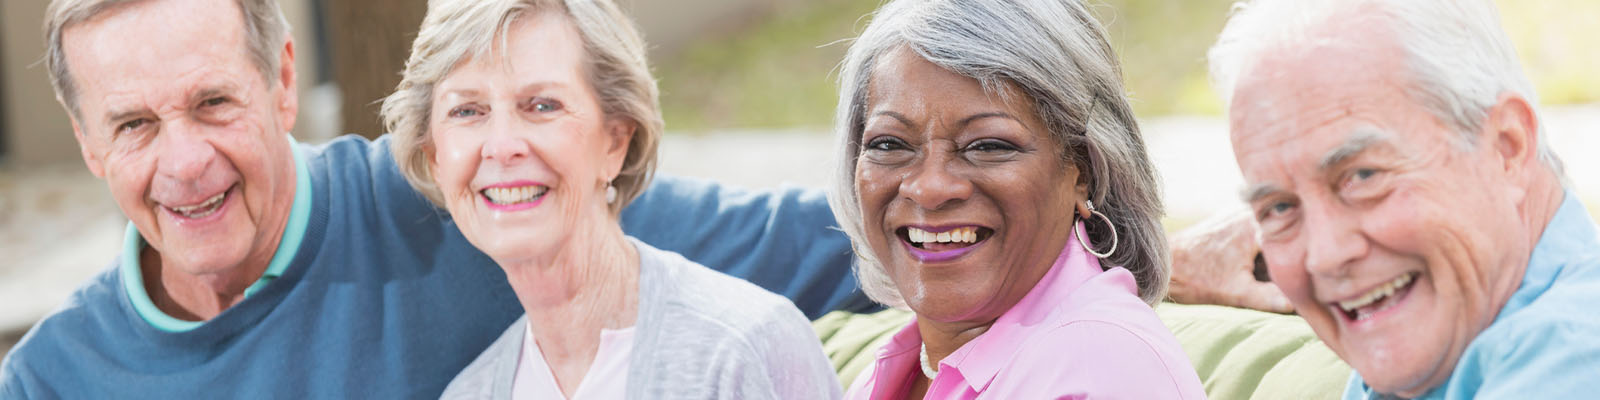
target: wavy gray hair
1459 57
457 30
265 32
1058 55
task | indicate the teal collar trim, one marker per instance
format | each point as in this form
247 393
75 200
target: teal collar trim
293 233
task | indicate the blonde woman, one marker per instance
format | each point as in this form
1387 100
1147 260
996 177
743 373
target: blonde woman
534 122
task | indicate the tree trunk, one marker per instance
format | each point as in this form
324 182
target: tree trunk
368 42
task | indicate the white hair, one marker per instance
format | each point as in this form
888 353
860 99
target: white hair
1459 58
265 28
1058 55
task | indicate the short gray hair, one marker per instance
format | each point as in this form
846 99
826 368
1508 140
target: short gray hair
1459 58
458 30
1057 54
265 30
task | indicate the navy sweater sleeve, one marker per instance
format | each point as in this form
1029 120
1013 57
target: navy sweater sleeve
784 239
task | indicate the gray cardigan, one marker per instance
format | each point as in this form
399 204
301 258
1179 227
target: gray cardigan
700 334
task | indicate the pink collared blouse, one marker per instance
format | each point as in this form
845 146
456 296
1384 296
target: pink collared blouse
1081 333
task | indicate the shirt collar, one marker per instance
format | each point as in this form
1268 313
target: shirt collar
293 232
1569 236
978 361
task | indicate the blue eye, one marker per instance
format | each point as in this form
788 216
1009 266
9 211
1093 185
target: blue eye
214 101
544 105
464 112
130 126
1364 173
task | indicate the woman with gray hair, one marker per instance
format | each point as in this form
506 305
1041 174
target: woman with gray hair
534 122
994 181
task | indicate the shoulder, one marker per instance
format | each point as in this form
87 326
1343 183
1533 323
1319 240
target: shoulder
1116 346
719 302
80 324
495 366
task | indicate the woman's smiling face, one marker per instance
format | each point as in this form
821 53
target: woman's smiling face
966 198
522 148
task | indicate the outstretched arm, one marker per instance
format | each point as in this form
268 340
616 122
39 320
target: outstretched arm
784 240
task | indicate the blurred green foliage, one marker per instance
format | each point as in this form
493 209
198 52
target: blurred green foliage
780 72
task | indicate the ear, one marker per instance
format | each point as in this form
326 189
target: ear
1080 189
1513 131
289 102
92 160
619 134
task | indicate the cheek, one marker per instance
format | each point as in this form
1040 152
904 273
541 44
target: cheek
876 186
454 163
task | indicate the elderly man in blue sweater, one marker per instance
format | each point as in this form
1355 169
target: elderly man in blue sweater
257 267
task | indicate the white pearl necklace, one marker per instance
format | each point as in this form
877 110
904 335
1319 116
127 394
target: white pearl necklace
927 370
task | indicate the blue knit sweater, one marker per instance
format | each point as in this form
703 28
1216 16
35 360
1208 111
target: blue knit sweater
386 300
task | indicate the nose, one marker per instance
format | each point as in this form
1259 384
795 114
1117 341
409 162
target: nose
1333 240
185 153
506 144
932 184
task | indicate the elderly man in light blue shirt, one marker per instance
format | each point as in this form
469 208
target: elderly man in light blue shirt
1409 206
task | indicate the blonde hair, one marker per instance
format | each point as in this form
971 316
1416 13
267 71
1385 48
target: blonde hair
265 30
458 30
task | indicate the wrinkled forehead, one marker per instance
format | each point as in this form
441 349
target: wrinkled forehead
172 46
1293 104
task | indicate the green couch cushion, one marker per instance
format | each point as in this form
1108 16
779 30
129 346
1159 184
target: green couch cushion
1239 354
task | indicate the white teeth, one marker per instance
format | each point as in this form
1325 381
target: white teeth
509 195
202 210
1378 293
959 235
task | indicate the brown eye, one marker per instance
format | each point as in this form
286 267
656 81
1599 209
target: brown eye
214 101
885 143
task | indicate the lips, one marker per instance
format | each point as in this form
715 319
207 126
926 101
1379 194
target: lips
1378 299
942 243
200 209
511 196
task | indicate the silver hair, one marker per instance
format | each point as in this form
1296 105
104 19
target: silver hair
1459 58
1057 54
458 30
265 30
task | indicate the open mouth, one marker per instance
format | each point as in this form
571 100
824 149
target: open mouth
508 196
1378 299
202 209
935 240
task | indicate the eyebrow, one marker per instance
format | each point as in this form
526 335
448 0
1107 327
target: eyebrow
897 116
1359 142
114 116
1258 191
211 91
964 121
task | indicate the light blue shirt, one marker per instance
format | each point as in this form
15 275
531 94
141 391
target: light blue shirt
293 232
1545 343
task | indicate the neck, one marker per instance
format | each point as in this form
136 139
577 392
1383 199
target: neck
945 338
192 297
591 283
1543 200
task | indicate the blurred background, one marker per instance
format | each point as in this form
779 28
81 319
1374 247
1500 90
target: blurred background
748 89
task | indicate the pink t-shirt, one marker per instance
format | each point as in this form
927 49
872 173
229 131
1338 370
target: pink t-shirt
1080 333
607 377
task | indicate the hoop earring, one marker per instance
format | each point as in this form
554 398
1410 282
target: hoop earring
1075 234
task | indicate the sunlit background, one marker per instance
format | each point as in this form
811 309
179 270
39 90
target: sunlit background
748 90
